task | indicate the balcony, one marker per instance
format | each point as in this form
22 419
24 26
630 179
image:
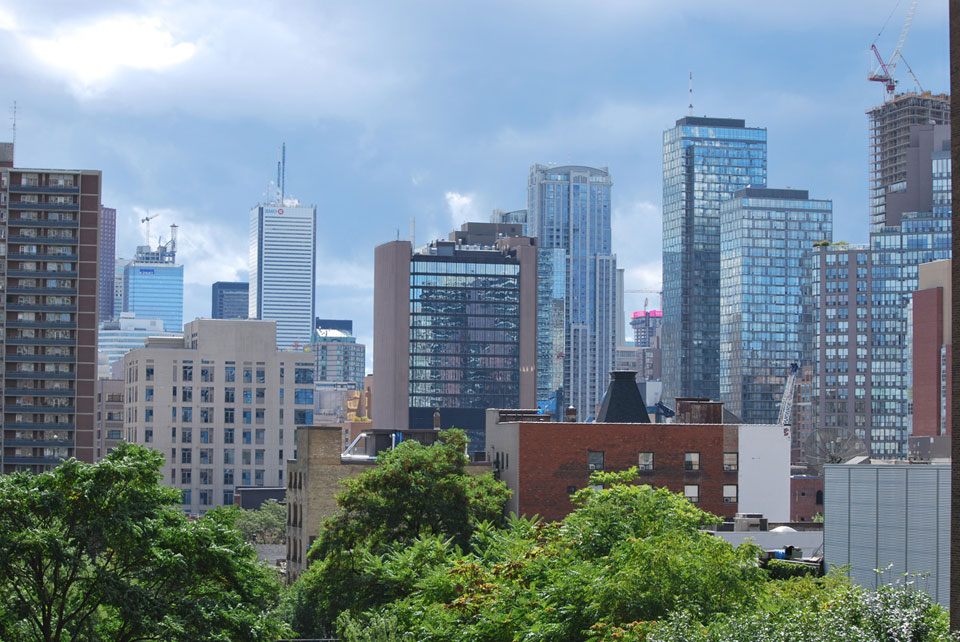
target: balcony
43 240
21 341
45 189
42 257
62 291
44 207
46 392
43 273
35 443
9 461
42 358
42 324
65 410
11 425
16 374
25 307
26 222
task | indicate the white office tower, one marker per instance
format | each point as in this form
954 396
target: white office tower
283 259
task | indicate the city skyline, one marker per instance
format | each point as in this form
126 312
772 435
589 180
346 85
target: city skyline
455 141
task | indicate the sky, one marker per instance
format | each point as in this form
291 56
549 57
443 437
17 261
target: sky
434 111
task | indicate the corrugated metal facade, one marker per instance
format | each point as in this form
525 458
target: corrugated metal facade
890 517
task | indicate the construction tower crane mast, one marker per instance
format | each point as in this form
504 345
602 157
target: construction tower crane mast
146 221
884 71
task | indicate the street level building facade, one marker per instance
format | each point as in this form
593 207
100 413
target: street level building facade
454 333
221 404
705 160
50 219
283 265
766 248
569 209
229 300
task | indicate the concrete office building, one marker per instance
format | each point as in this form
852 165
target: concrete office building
766 247
221 404
229 300
110 430
108 255
455 330
50 220
283 265
892 517
894 154
569 208
705 160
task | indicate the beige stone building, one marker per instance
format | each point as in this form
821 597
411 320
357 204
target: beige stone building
109 404
221 404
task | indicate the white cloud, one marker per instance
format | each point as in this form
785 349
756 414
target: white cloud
462 208
91 54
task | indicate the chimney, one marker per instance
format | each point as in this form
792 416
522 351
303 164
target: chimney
571 415
623 403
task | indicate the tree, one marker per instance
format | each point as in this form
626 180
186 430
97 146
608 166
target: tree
102 552
416 493
264 525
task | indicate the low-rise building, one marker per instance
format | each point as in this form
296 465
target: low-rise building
109 415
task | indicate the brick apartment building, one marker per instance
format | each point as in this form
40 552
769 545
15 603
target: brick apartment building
932 361
722 468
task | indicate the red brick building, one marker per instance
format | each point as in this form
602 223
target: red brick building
806 497
932 361
722 468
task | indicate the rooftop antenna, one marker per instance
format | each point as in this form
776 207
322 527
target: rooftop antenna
279 198
690 106
283 174
14 129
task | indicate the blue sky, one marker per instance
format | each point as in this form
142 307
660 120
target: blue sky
434 110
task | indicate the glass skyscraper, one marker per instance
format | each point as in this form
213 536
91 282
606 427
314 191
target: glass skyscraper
551 279
153 286
569 208
283 264
229 300
705 160
766 244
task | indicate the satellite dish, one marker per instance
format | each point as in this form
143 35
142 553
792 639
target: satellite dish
832 446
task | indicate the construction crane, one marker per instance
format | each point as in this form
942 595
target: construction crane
146 221
786 401
884 70
659 293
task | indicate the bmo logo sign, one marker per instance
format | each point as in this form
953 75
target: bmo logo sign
273 210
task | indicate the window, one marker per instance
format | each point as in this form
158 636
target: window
258 457
149 373
594 460
187 372
206 415
228 455
205 436
261 395
245 478
731 462
186 456
246 436
729 493
819 498
260 434
206 395
186 496
692 492
187 394
228 498
186 435
185 476
228 476
261 375
247 375
260 416
228 435
228 415
148 414
229 395
247 416
186 414
258 477
247 395
303 396
303 375
113 434
148 393
229 374
206 374
645 461
206 476
245 457
206 456
148 436
303 417
691 461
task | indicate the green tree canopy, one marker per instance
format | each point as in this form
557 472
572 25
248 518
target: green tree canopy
414 492
102 552
264 525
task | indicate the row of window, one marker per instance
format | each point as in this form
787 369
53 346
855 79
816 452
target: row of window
645 461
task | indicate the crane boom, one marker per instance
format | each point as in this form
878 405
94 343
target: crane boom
786 401
884 71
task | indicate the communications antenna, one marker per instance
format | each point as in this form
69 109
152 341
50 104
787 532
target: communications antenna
690 107
14 129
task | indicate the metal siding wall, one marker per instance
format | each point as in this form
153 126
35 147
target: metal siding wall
836 517
943 535
892 526
863 525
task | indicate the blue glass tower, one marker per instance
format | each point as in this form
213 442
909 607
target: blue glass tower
155 291
705 160
569 208
766 244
